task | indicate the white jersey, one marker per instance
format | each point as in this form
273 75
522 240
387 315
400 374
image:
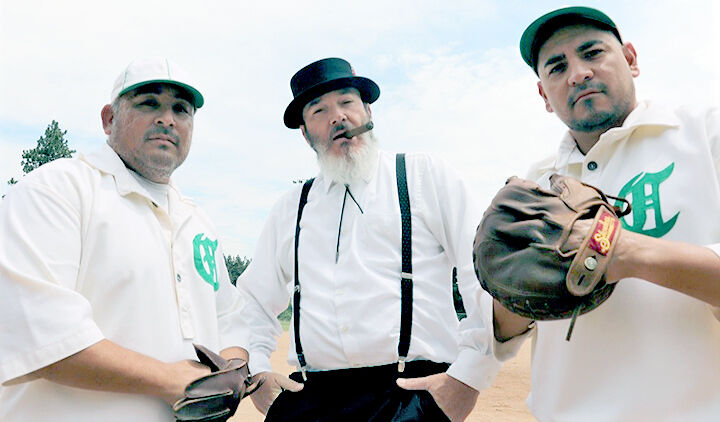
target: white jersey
648 353
86 255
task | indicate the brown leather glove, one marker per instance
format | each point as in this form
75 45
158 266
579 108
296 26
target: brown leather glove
530 255
214 397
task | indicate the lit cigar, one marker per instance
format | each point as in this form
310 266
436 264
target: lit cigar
357 131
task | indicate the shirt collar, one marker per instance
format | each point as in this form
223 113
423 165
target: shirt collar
645 114
106 160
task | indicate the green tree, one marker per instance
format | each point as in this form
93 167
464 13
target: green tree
51 146
236 265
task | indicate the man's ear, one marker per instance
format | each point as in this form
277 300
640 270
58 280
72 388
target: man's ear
631 58
541 91
108 116
369 111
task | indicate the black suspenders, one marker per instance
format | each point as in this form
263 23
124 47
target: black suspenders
296 290
406 283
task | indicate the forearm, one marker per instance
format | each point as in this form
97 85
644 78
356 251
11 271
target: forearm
106 366
690 269
235 353
507 324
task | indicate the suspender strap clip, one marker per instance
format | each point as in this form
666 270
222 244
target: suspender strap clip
303 371
401 364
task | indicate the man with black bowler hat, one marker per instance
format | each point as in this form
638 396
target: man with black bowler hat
367 249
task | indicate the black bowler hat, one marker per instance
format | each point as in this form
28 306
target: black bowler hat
321 77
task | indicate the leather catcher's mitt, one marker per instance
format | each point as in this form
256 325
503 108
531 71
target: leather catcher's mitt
214 397
530 256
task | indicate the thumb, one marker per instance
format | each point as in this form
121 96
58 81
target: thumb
413 383
287 384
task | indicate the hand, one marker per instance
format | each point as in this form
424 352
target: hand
455 399
183 373
272 386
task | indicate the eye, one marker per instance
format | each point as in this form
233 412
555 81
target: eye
181 108
318 110
592 53
148 102
558 68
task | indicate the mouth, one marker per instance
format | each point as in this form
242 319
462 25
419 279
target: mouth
584 95
162 138
349 134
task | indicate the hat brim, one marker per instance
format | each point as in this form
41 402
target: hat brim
369 92
536 33
197 97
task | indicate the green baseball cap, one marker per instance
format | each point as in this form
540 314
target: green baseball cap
543 27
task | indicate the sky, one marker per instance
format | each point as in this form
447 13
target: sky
451 78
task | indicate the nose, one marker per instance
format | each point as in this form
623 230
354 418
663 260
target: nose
337 116
579 73
165 117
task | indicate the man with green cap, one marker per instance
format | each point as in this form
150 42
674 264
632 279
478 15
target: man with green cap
651 352
366 253
108 274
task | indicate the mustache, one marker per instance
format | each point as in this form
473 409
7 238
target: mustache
582 90
160 130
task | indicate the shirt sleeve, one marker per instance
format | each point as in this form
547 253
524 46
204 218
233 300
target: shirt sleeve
475 365
264 287
713 130
43 319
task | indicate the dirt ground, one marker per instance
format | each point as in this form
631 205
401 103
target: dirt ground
503 402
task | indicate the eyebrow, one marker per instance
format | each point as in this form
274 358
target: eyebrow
554 59
312 103
584 46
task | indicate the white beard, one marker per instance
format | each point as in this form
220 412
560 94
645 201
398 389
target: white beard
357 164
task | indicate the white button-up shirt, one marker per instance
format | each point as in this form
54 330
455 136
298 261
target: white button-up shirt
648 353
350 307
87 254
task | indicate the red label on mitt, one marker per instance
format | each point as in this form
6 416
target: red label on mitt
604 233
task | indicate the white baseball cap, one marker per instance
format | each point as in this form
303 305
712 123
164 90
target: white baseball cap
154 70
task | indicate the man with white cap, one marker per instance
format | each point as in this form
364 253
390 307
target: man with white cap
108 275
651 352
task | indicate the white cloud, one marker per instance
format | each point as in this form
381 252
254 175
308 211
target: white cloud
451 78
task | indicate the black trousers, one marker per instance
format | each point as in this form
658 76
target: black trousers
361 394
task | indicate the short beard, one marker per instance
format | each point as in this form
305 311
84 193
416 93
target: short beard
355 165
601 121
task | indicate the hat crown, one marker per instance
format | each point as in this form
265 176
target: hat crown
319 72
154 70
538 32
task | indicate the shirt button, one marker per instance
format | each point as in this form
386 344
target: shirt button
592 165
344 328
340 292
179 279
